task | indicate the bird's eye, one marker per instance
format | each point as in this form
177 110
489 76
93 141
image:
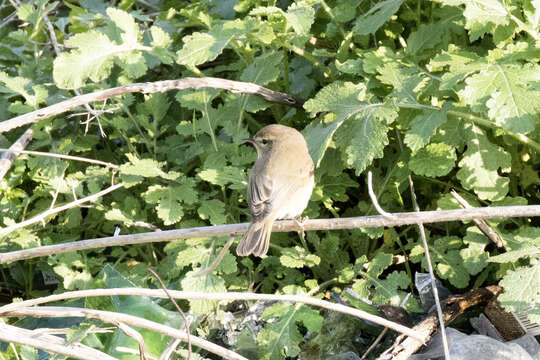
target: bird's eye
264 141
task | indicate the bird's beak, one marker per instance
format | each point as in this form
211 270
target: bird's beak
249 140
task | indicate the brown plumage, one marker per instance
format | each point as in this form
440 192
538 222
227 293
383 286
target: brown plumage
280 184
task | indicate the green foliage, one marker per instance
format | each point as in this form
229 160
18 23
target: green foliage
445 91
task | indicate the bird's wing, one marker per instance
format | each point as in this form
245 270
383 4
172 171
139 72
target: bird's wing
260 196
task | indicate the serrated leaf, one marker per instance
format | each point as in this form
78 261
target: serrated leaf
522 290
20 85
92 58
264 69
515 255
214 211
362 139
298 257
434 160
346 99
169 208
141 167
480 166
202 47
229 175
423 127
371 21
300 18
405 80
281 338
126 23
474 256
506 91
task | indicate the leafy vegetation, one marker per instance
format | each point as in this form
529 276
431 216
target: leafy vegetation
446 91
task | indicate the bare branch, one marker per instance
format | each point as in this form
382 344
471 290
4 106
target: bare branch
6 160
406 218
149 88
10 309
43 215
112 317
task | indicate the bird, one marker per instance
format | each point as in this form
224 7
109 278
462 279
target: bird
280 184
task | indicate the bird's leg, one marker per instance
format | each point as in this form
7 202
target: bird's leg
300 222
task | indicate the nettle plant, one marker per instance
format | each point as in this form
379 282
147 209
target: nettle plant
446 91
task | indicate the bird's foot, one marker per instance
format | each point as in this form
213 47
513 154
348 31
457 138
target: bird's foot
300 221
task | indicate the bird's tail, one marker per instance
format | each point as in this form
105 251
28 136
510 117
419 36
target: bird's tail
256 239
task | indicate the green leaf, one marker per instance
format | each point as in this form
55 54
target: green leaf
521 289
298 257
141 167
169 208
126 23
363 138
515 255
376 17
434 160
281 338
480 166
300 18
21 86
214 211
346 99
264 69
92 58
406 82
202 47
209 284
474 256
233 176
506 91
423 127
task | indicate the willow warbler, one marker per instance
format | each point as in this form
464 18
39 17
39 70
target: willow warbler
280 184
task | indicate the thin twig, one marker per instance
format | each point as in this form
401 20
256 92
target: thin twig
149 88
61 156
43 215
406 218
481 224
186 322
217 260
195 295
434 288
373 198
7 159
375 343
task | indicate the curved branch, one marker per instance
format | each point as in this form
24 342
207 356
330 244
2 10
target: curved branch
16 308
149 88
